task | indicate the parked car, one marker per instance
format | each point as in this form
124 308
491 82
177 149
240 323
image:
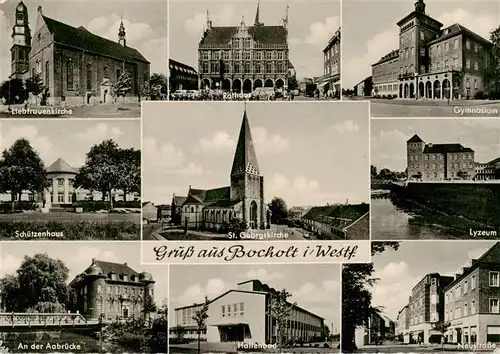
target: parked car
193 94
264 94
180 95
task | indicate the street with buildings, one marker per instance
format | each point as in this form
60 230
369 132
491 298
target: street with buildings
436 306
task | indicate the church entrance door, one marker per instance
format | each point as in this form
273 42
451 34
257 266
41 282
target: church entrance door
253 215
105 89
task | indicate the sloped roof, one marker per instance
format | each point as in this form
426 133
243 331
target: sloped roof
389 56
207 196
245 158
339 216
61 166
260 34
222 204
83 39
454 30
178 201
117 268
175 65
415 139
445 148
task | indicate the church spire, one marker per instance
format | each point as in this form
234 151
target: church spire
245 158
121 34
257 16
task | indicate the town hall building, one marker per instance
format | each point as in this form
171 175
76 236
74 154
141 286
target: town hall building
76 66
242 58
242 199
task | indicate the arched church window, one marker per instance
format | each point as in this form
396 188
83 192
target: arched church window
69 74
192 209
89 76
105 72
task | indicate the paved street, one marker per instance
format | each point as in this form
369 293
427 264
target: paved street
414 108
305 98
414 348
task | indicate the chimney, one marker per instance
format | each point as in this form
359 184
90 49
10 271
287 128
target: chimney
429 145
93 259
39 10
125 264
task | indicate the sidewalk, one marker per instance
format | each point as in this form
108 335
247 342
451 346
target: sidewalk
426 102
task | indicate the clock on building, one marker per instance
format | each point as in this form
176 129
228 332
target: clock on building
19 30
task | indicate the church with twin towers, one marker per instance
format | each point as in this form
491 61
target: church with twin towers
242 58
243 199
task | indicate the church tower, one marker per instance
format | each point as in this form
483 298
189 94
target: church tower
21 43
121 35
247 184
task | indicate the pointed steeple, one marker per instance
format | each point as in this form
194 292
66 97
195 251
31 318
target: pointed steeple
121 34
245 158
257 15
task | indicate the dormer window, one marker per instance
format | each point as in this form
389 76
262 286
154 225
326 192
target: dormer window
125 277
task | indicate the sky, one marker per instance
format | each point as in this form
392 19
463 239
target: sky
77 256
69 139
389 136
399 271
311 25
315 288
145 25
370 30
309 153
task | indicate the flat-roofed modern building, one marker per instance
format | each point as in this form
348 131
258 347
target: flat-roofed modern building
472 301
244 314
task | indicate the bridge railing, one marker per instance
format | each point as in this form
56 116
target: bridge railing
42 319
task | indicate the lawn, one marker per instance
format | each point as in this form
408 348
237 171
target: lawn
70 226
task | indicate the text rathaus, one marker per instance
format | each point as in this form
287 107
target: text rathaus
241 59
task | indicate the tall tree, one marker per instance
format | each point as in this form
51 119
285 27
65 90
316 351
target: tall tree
200 317
21 169
13 91
373 171
492 69
41 281
357 279
10 292
121 87
278 209
102 168
129 178
149 306
280 309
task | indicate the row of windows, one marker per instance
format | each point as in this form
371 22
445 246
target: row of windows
333 68
245 55
332 51
386 88
233 310
246 68
441 156
493 307
460 290
115 289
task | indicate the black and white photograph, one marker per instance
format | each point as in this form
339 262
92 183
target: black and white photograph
422 58
435 179
423 296
70 180
89 59
268 308
81 297
254 50
255 171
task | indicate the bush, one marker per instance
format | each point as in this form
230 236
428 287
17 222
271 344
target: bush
74 230
47 307
6 207
479 95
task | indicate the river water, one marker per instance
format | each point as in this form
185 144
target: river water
392 222
55 342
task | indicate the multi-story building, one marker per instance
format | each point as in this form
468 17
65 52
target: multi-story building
487 171
403 325
112 291
61 191
347 221
433 62
242 58
181 76
330 81
364 87
385 74
426 307
244 314
472 301
371 332
438 162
